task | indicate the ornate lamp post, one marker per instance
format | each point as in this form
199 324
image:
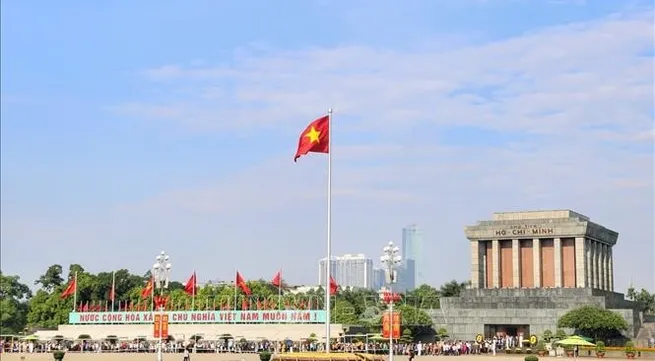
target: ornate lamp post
161 271
390 261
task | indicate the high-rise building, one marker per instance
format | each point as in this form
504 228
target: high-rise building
412 250
379 280
406 276
350 270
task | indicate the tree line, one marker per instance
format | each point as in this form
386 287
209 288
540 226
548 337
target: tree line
22 310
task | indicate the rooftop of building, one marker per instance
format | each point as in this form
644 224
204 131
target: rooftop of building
541 214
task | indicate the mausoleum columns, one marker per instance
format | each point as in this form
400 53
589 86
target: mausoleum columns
536 264
610 266
557 245
589 274
580 269
476 265
595 264
558 248
516 263
605 275
495 263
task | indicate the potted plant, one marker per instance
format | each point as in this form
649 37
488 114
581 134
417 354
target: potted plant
264 356
600 349
569 350
630 350
531 358
541 348
58 355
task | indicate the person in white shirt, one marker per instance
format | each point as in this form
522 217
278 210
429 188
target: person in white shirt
186 354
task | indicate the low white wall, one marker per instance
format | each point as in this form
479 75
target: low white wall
248 331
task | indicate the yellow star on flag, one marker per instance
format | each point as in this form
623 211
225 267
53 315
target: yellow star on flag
313 135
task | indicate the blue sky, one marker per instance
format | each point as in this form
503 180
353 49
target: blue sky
130 128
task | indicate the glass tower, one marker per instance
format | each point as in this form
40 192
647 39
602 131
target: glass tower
412 250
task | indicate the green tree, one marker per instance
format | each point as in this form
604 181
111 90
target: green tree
344 312
559 334
48 310
424 296
593 321
13 304
645 301
412 318
453 288
442 333
406 337
51 278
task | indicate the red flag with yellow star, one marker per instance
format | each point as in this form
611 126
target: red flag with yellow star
315 138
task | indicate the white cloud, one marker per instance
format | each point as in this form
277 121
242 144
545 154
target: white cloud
591 73
577 99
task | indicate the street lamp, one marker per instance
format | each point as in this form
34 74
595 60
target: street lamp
390 261
161 271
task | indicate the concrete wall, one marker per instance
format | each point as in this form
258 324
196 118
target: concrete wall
465 316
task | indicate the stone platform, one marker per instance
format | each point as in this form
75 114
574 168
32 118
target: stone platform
538 308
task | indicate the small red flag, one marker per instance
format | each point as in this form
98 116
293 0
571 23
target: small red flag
191 286
277 280
334 287
315 138
70 289
147 290
244 304
241 283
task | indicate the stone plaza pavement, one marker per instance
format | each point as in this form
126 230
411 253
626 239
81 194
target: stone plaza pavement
241 357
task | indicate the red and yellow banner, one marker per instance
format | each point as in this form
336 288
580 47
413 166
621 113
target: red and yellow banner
161 326
391 325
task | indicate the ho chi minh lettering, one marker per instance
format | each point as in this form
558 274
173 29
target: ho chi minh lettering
537 231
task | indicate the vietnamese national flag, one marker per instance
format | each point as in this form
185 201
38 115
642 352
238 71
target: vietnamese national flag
244 304
147 290
334 287
191 286
315 138
277 280
241 283
70 289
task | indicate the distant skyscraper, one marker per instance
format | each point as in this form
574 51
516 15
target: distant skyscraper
406 272
378 278
412 245
351 270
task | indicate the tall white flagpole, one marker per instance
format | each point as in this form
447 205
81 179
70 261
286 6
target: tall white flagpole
193 297
235 289
279 292
75 294
329 234
113 290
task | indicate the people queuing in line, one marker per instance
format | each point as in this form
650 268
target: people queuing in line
445 348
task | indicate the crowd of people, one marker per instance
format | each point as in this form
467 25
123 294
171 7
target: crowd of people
446 348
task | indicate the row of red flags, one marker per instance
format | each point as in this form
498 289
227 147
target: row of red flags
191 286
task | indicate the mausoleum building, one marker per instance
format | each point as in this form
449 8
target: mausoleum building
530 268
